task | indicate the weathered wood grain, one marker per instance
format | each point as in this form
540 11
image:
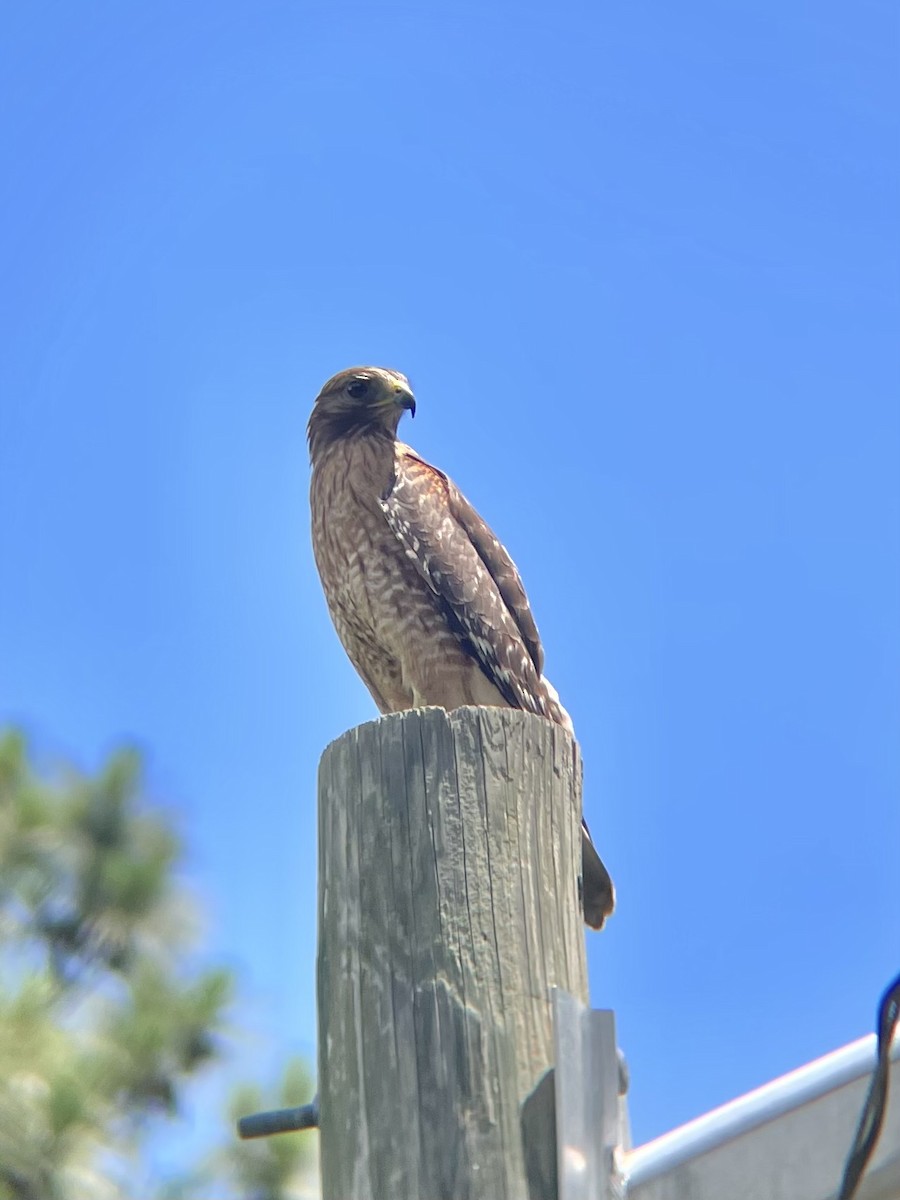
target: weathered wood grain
449 854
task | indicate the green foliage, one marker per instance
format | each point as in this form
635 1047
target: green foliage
103 1020
85 873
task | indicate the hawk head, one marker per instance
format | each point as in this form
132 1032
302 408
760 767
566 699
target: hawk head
360 398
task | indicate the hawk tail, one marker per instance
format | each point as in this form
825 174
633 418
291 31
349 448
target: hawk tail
598 893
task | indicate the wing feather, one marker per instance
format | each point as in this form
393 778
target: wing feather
496 558
465 565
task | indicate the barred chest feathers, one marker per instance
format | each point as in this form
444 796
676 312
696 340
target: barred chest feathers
392 625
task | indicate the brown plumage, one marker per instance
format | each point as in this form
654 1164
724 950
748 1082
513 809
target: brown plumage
426 601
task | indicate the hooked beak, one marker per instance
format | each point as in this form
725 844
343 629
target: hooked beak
405 399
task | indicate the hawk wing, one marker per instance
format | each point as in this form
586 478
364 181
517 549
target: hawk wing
468 569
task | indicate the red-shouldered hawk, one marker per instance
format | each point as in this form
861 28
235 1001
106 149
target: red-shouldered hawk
426 601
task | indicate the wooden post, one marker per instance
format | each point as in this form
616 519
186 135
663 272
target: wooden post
449 857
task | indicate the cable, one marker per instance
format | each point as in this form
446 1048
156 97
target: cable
872 1116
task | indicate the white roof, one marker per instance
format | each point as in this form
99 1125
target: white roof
784 1141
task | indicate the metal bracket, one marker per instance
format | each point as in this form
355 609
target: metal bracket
590 1076
280 1120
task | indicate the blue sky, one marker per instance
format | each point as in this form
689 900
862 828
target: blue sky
641 262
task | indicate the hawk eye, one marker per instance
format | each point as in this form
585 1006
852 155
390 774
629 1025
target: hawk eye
358 388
